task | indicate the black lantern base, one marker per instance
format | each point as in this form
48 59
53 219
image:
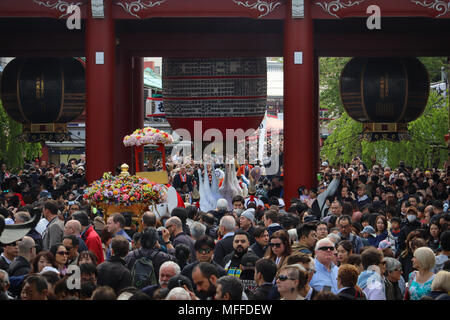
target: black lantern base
388 136
40 137
38 132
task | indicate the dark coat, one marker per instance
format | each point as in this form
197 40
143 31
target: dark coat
248 256
19 267
150 290
178 184
157 260
37 239
440 294
223 247
186 240
351 294
258 250
3 264
273 229
187 270
114 273
261 293
250 234
392 290
407 228
407 265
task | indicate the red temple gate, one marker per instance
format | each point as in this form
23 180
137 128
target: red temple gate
116 34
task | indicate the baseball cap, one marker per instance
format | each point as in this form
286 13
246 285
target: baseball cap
384 244
370 230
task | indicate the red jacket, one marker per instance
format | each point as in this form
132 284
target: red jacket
241 170
22 203
94 243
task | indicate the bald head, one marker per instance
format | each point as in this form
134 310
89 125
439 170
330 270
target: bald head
26 248
148 219
175 221
72 227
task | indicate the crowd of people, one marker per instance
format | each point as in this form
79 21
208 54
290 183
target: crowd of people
366 233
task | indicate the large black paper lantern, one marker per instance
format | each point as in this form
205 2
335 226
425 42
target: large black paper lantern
44 94
384 94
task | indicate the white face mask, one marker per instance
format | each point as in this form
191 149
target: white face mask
411 217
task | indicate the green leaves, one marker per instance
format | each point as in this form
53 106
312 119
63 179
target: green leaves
12 151
329 73
427 147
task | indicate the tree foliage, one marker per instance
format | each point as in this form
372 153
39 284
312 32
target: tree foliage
12 151
329 73
434 66
427 147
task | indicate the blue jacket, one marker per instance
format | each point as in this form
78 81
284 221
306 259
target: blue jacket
376 241
372 285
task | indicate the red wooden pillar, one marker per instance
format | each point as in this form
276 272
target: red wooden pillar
100 47
316 121
123 109
138 101
299 134
45 153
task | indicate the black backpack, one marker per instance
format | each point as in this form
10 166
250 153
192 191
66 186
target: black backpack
143 273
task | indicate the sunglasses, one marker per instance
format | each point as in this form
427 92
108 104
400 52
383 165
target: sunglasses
204 251
276 245
284 278
326 248
63 253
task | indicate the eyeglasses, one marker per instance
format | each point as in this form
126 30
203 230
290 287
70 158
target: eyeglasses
63 253
204 251
276 245
284 278
326 248
240 241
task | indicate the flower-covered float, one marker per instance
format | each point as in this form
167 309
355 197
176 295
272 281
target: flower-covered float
145 136
125 193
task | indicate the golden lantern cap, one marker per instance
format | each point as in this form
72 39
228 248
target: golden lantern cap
124 167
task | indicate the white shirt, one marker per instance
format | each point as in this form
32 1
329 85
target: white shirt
41 226
277 260
229 234
6 259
